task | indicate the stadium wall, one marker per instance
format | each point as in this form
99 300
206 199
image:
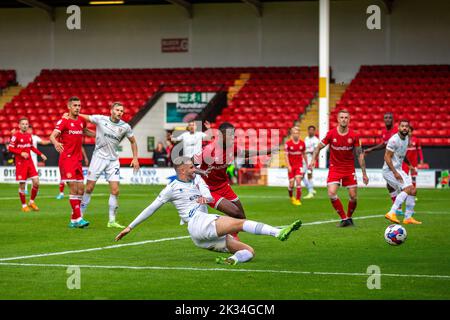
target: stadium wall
225 35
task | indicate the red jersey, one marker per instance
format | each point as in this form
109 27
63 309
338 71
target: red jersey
414 151
341 149
71 137
22 142
212 157
387 134
294 151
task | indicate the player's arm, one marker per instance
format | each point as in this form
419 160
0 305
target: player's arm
18 151
54 139
286 158
375 148
388 158
85 157
205 192
144 215
84 116
134 150
316 154
39 153
88 132
177 139
362 164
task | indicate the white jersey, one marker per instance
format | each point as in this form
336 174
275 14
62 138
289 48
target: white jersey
399 148
192 143
108 136
35 140
184 197
311 144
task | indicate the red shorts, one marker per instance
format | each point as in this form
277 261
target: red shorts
71 170
25 170
346 179
297 170
405 168
223 192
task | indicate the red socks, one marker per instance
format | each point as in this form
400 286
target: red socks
34 192
337 205
299 193
75 203
22 197
61 187
351 208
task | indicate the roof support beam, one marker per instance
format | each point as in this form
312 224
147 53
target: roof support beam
186 5
257 5
40 5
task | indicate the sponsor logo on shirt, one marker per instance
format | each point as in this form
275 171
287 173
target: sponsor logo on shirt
75 131
343 148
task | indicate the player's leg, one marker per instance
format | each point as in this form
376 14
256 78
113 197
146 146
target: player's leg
352 202
22 196
96 168
394 193
113 205
34 192
227 225
333 187
410 204
86 197
298 188
311 182
402 187
290 189
26 187
61 190
241 252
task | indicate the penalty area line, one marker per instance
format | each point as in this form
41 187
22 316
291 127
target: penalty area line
433 276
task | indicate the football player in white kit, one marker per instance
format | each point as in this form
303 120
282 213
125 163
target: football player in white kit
192 139
311 143
105 159
396 178
190 195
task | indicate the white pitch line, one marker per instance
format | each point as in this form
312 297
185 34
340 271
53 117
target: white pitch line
436 276
149 241
49 197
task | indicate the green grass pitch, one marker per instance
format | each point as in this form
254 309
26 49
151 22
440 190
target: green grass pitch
320 261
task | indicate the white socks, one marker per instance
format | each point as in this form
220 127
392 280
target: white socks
113 206
260 228
410 203
85 201
399 201
242 256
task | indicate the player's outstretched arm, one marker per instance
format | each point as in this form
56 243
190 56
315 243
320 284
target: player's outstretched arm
134 150
375 148
53 138
88 132
144 215
362 164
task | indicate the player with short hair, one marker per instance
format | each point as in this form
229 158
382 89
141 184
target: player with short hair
189 194
70 130
386 133
294 152
21 144
397 179
192 139
343 141
413 152
105 159
311 143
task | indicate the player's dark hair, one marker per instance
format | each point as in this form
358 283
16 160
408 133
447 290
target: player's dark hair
344 111
403 120
225 126
389 113
312 127
74 98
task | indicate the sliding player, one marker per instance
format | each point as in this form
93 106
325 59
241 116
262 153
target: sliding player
189 194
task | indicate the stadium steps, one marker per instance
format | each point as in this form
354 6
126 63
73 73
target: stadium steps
238 84
336 92
311 117
8 94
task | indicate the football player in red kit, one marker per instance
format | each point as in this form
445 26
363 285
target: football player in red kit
342 141
294 151
70 131
21 144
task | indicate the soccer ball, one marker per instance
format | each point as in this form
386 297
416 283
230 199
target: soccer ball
395 234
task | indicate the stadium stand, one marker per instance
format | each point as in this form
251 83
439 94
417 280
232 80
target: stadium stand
7 78
419 93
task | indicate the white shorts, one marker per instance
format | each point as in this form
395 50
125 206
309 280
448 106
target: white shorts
110 168
202 228
394 183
